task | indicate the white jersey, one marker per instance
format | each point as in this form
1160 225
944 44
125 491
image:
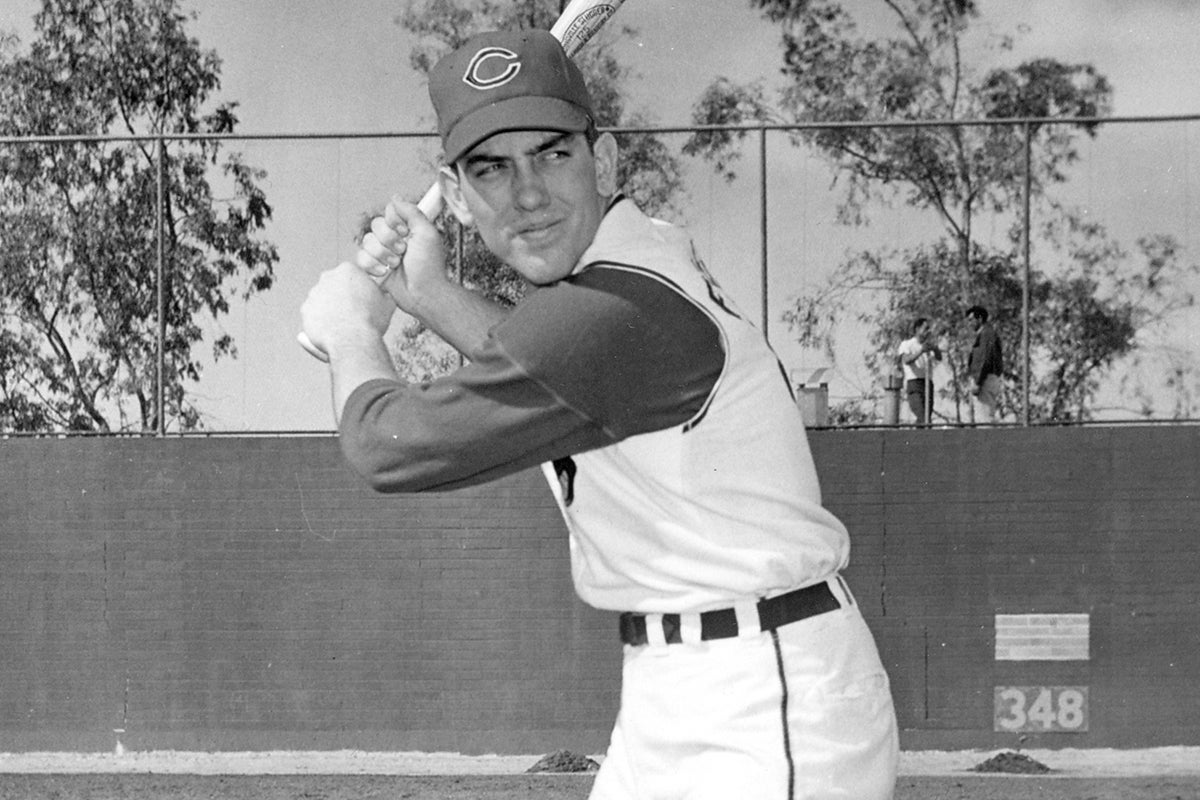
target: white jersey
664 422
690 518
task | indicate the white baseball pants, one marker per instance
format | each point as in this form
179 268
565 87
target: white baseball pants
705 720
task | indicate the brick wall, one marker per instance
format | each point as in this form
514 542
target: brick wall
248 593
955 527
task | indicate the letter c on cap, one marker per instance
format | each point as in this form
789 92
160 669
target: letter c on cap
509 68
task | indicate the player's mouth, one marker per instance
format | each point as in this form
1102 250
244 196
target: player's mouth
539 233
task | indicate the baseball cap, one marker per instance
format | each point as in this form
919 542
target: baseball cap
506 81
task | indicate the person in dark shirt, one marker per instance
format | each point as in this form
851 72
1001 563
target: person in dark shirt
985 366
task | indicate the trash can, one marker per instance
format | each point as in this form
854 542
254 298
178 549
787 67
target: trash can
812 396
891 397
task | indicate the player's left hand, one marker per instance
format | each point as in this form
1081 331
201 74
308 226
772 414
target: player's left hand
382 248
344 309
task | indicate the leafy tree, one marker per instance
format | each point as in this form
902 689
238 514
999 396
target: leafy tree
78 289
833 74
1105 312
1085 318
649 173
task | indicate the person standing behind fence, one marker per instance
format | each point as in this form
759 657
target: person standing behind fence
917 355
985 366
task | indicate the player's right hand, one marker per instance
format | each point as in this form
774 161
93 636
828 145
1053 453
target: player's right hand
406 247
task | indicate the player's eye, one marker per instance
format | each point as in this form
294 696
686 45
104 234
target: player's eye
556 154
486 169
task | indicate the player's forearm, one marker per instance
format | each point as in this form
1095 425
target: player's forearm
460 316
353 363
407 252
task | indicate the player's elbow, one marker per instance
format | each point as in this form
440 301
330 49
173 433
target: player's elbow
385 469
385 463
380 443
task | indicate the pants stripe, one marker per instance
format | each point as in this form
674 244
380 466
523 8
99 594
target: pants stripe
783 707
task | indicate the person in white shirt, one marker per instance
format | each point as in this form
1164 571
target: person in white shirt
917 355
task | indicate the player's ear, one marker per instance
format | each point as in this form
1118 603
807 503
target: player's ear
448 179
606 153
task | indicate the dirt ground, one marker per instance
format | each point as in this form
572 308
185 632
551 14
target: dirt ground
1171 773
538 787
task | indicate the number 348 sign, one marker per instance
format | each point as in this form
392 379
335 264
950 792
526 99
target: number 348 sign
1042 709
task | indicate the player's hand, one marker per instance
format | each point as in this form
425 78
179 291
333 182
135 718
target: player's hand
344 309
383 247
405 249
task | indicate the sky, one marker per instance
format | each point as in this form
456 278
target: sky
312 66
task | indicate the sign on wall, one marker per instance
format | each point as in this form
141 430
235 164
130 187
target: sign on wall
1042 637
1041 709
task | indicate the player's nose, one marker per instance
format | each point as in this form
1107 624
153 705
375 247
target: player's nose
529 189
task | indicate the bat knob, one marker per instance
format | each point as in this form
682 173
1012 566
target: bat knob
313 350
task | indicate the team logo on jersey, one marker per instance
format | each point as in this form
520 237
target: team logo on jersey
491 68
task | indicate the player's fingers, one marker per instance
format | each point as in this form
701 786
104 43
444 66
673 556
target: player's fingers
391 241
392 216
370 265
403 215
390 233
376 258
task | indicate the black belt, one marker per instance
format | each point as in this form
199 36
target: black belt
773 613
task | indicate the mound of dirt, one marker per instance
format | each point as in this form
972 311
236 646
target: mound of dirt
564 761
1011 762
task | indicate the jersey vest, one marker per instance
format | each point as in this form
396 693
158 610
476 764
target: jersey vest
722 508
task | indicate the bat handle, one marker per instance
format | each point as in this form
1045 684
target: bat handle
310 348
431 202
431 206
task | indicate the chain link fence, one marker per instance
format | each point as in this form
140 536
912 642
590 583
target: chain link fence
779 227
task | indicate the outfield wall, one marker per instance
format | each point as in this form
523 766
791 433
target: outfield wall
249 594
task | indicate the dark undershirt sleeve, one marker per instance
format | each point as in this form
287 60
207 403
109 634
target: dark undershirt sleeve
627 351
579 365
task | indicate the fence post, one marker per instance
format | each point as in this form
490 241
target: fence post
160 223
1025 245
762 224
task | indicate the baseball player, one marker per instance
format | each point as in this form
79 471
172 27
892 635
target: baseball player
664 424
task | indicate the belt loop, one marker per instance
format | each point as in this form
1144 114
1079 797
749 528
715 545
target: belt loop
654 630
747 618
689 629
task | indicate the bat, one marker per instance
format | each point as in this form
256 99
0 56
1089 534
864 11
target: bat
577 24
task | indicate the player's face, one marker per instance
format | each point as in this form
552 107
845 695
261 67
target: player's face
536 197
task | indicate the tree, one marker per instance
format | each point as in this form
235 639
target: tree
1106 312
78 289
834 76
958 172
649 173
1086 317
